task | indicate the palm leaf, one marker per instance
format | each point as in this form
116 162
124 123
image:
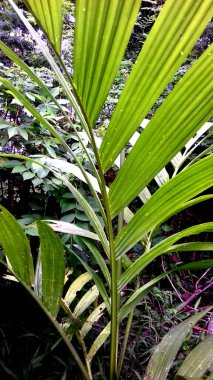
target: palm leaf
84 305
167 200
95 222
53 64
195 246
70 228
99 259
172 37
182 114
93 318
97 280
102 32
76 286
48 13
88 298
99 341
177 161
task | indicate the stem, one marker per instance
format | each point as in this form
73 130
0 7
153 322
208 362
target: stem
109 228
81 341
114 309
126 336
113 267
125 341
67 310
119 261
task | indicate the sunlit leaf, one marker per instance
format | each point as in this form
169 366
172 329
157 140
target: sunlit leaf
69 228
102 31
48 13
166 201
181 115
173 35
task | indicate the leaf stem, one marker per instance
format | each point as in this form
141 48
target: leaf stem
114 269
113 262
119 261
126 336
78 336
109 227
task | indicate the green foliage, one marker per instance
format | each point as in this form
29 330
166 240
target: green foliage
102 32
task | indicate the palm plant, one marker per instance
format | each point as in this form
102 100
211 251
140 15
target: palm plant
102 31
